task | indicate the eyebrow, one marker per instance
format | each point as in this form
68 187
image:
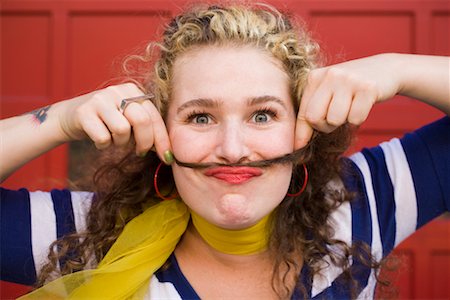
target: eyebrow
265 99
210 103
200 102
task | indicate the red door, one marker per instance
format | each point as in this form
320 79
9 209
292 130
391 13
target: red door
51 50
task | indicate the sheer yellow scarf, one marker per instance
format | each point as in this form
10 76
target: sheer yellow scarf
142 248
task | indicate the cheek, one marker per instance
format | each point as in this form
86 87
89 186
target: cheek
181 176
188 145
274 143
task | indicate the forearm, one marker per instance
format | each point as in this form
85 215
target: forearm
426 78
25 137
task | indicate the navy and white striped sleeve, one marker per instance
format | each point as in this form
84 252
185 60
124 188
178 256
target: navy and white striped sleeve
30 222
407 180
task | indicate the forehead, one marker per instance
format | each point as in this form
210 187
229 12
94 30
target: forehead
228 71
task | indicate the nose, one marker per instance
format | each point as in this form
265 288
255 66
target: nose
232 143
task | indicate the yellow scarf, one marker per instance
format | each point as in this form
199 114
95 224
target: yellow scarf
142 248
238 242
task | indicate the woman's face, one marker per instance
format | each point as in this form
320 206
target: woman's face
231 105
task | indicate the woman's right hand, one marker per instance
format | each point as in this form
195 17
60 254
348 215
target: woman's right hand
97 116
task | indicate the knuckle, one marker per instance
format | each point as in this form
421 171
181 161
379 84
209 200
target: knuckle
142 119
301 117
102 140
369 86
335 122
356 120
314 75
130 86
124 90
98 100
313 118
111 88
122 129
80 111
83 114
336 73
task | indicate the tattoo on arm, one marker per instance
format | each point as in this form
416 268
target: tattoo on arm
40 114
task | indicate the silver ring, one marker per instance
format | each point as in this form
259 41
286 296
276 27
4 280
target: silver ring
139 99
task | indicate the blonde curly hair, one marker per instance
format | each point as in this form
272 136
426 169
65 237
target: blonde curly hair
260 25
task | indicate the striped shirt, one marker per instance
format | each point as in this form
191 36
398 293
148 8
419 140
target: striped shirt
400 186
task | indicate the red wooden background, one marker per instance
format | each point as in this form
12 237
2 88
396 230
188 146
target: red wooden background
52 50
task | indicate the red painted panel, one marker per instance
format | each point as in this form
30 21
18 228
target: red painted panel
405 281
25 41
399 271
100 41
25 80
429 263
440 273
33 174
43 173
440 33
9 290
353 34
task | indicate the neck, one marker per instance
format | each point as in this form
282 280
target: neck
248 241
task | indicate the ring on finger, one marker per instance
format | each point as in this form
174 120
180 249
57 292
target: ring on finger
139 99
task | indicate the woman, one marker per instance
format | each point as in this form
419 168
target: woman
254 132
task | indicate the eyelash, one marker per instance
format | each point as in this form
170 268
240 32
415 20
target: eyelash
192 115
272 113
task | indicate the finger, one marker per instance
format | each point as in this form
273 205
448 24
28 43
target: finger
141 123
313 82
117 124
303 130
361 106
317 108
161 137
124 91
303 133
96 130
115 121
339 107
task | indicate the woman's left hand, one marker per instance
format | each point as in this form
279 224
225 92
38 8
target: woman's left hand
346 92
343 93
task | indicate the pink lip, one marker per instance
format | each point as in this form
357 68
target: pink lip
233 175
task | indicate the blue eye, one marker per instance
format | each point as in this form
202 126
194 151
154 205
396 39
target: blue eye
263 116
201 119
260 117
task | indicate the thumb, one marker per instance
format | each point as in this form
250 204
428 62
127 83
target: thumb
303 133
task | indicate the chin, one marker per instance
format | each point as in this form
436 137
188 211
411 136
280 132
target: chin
235 211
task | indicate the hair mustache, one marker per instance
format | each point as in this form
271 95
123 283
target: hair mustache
295 157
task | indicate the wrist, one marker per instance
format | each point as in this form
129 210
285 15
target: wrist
396 68
61 119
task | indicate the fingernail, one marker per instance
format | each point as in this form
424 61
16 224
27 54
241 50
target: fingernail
168 157
142 154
